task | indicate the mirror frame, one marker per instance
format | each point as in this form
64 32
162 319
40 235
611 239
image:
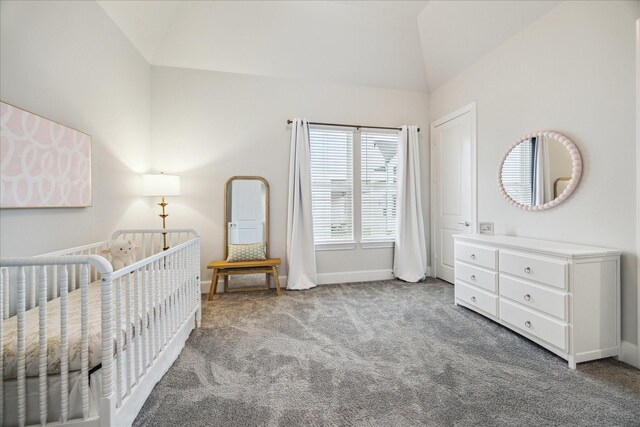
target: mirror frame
227 185
576 161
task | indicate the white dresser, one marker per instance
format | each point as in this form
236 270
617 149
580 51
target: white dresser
564 297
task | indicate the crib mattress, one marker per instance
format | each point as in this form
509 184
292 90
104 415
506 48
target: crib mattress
54 344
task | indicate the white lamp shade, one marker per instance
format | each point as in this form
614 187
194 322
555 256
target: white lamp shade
160 185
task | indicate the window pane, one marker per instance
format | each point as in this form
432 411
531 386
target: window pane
517 173
379 185
332 184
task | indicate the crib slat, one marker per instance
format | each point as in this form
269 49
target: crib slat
170 311
73 285
188 279
33 293
179 273
3 284
130 367
165 300
119 341
144 318
152 311
21 348
159 318
195 291
54 280
5 293
172 281
64 342
179 278
197 268
176 281
148 313
176 290
106 305
191 278
183 285
84 330
93 273
42 348
137 319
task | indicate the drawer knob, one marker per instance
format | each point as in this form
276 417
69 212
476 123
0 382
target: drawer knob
473 256
527 270
527 324
473 277
527 297
473 299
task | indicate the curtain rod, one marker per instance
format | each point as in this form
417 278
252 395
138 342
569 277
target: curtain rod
289 121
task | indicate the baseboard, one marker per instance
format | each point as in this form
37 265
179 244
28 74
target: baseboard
329 278
629 354
358 276
354 276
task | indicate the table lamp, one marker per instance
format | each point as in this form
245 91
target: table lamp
161 185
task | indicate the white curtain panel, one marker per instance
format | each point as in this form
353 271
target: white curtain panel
542 184
410 255
301 251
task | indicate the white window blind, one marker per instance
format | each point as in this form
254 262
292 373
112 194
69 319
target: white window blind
517 173
332 184
379 178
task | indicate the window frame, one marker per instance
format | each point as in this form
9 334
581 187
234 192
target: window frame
346 243
356 175
377 242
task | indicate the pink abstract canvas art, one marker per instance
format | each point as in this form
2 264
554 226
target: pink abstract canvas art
43 164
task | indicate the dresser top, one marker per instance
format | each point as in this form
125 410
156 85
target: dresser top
541 246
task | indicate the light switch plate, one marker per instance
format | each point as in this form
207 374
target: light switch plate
486 228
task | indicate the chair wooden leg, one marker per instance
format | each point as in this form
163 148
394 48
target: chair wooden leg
226 283
276 280
214 284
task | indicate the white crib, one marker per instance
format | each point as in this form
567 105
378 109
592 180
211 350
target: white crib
85 345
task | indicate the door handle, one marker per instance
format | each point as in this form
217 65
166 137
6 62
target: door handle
466 223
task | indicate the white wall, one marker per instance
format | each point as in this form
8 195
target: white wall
68 62
208 126
571 71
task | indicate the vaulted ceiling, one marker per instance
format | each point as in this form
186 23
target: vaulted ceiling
409 45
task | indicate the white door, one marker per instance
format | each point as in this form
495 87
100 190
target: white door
453 180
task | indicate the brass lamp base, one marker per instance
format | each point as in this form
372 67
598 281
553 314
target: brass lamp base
164 216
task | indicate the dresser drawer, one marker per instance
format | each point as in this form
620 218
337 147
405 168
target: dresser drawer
543 299
479 277
477 255
477 298
548 272
551 331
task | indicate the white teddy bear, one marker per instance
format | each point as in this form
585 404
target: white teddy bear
121 252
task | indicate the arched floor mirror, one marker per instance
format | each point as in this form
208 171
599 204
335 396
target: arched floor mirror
246 236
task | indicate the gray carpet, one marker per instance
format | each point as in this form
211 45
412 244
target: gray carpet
377 354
